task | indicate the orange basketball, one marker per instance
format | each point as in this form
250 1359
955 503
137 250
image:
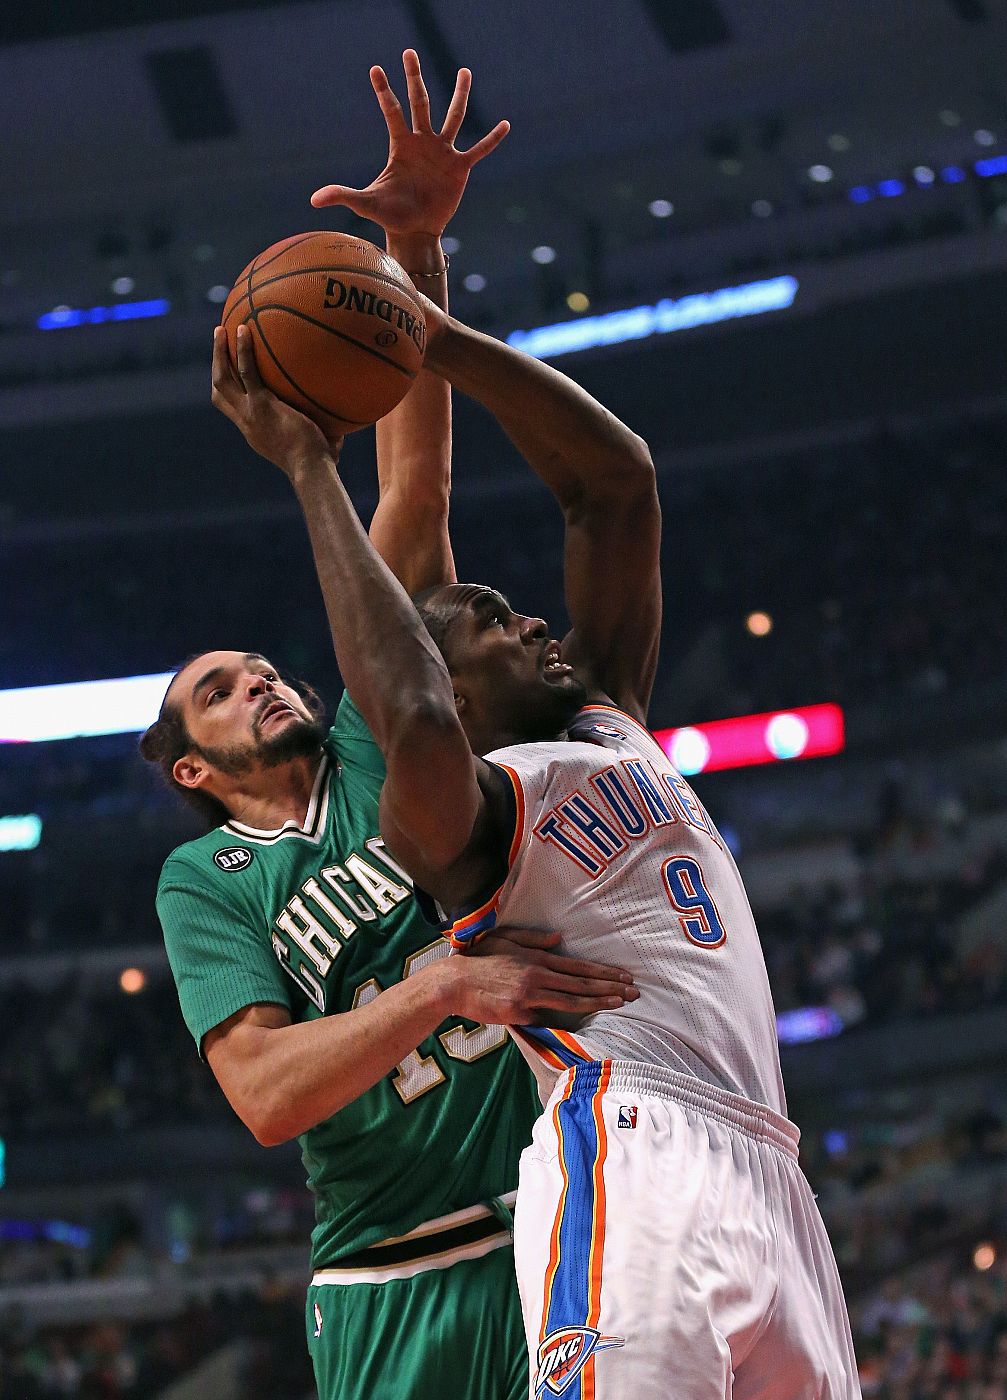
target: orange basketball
336 324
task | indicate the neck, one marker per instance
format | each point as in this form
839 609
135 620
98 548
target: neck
484 742
267 798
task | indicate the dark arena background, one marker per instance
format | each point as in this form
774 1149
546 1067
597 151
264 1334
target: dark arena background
773 238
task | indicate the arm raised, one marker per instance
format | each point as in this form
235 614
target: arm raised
603 478
413 199
386 657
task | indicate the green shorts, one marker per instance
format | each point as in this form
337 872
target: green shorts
444 1334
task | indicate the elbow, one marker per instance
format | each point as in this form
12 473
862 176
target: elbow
271 1129
639 465
267 1117
267 1137
640 453
265 1127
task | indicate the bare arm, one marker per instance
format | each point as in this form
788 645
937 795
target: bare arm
413 199
603 478
281 1078
385 654
409 528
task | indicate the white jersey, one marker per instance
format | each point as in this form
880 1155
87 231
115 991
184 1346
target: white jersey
613 849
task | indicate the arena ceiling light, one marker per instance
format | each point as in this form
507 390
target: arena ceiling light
662 318
62 318
80 710
992 165
20 833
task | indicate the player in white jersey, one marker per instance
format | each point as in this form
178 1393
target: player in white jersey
667 1243
618 852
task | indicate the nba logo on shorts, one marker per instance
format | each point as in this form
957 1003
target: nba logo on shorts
627 1117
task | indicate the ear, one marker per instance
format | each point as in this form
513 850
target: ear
460 703
190 771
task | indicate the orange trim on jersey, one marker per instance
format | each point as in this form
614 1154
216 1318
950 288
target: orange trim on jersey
518 837
565 1038
551 1059
467 921
554 1248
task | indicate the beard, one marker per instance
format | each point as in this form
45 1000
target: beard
551 712
302 739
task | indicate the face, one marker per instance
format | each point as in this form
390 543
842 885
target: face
506 667
241 715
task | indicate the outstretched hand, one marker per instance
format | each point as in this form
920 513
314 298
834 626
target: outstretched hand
424 179
275 430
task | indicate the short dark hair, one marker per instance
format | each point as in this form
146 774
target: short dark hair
168 739
435 619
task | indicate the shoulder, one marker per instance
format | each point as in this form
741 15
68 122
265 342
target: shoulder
352 745
206 861
607 724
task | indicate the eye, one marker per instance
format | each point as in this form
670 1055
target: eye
215 695
270 676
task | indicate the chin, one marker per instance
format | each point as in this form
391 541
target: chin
297 738
553 710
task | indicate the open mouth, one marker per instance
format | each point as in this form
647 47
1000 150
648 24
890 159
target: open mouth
552 666
272 710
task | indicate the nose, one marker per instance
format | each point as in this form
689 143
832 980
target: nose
257 685
533 629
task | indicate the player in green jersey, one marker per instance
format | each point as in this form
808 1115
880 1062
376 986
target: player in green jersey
318 994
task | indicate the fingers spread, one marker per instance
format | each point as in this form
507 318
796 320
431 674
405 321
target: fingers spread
529 937
580 967
389 103
458 105
332 194
576 1005
360 201
419 99
490 141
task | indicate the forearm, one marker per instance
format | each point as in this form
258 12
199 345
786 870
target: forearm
410 525
579 449
286 1080
385 655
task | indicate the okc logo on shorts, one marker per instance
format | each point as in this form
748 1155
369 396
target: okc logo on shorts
565 1353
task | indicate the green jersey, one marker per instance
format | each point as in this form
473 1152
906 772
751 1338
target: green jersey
319 918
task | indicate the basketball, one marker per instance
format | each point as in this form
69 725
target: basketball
336 325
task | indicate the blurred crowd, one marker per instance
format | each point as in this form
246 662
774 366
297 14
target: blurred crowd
120 1361
940 1334
886 950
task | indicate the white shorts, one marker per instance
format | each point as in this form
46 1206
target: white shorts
668 1247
